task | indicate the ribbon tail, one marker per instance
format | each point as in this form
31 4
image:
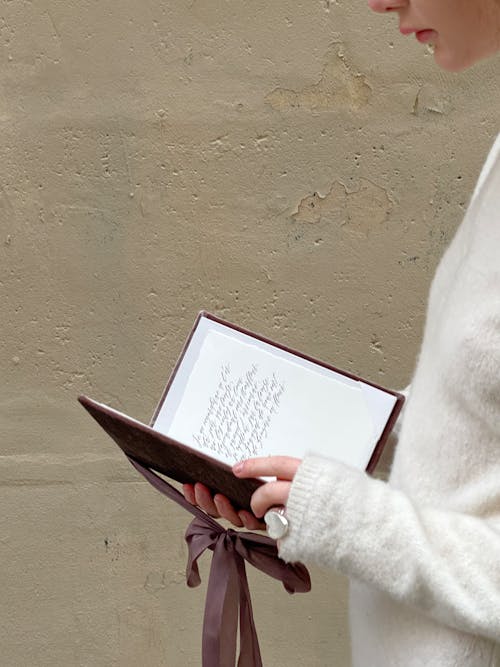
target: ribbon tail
197 543
249 643
221 609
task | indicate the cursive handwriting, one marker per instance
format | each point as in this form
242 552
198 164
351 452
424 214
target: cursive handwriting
239 413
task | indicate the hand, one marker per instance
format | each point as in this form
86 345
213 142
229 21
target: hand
271 494
268 495
219 506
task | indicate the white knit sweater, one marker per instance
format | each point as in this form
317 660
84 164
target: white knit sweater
423 550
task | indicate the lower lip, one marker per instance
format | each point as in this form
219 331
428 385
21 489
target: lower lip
425 36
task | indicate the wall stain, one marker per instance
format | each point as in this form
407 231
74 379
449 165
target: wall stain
338 88
361 210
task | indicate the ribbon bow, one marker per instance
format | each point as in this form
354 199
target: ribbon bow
228 590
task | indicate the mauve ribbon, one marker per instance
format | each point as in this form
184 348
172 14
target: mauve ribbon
228 589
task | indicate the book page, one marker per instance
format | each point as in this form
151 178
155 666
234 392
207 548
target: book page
241 400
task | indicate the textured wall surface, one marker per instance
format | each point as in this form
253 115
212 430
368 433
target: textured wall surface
297 168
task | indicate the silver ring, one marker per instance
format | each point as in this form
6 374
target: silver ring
276 522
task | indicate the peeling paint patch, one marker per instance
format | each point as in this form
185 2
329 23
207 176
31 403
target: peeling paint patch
362 210
155 582
376 344
338 88
430 99
158 581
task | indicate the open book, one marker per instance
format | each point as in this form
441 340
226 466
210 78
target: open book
234 395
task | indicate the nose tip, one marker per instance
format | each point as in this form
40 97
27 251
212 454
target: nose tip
376 5
382 6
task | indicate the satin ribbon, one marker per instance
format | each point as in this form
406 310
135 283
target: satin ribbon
228 592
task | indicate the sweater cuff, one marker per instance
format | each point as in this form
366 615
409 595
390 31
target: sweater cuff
314 508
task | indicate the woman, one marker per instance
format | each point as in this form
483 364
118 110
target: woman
422 551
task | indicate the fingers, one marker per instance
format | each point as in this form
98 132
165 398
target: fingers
188 490
250 521
266 496
283 467
226 510
237 518
271 494
203 498
220 506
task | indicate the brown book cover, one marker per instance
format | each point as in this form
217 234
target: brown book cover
187 465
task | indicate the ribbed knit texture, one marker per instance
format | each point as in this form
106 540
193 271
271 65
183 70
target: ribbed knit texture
422 551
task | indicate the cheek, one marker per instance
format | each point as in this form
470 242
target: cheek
461 41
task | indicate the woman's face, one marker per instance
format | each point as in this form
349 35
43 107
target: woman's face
463 31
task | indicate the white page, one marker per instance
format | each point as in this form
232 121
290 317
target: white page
240 400
380 402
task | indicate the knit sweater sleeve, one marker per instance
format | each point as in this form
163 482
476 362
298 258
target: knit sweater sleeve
445 563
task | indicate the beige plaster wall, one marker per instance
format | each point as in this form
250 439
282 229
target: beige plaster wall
297 167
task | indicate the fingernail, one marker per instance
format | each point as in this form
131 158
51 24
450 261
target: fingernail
238 467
